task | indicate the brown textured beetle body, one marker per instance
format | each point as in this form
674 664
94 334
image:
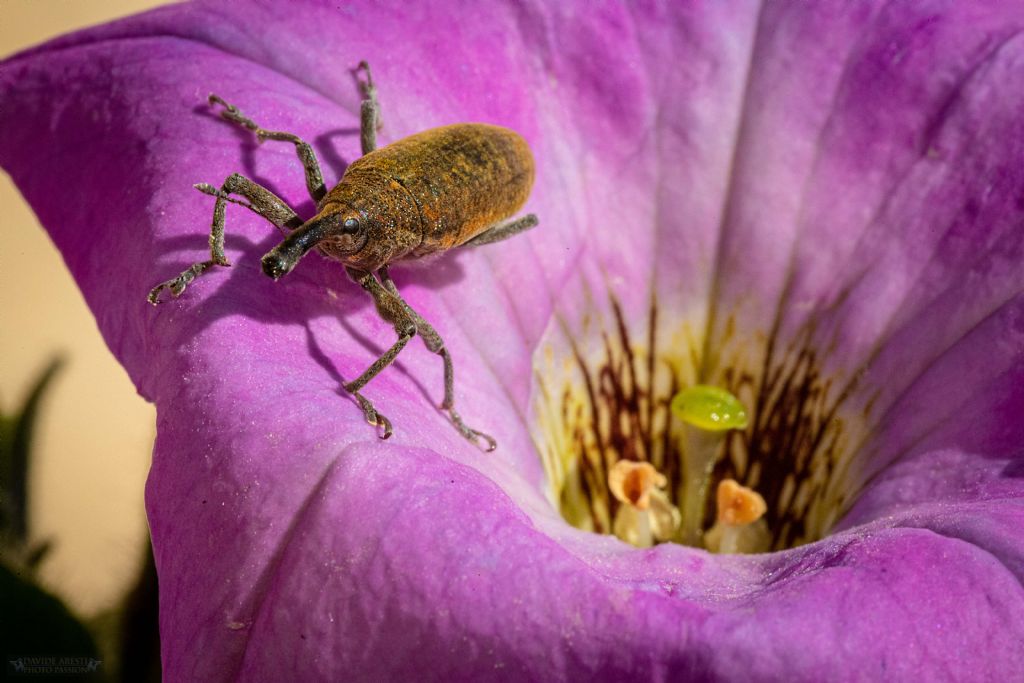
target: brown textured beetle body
427 193
430 192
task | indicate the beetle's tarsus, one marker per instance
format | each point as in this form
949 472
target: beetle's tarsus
215 99
365 87
232 113
372 416
479 438
369 110
177 285
386 424
154 295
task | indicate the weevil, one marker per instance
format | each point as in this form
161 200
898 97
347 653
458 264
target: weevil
447 187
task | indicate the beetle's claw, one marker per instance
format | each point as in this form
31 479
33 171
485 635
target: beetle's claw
176 287
386 424
372 416
364 66
488 439
229 112
154 294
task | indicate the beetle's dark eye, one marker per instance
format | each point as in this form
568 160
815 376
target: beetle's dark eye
351 226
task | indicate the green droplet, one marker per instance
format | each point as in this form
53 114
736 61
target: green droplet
711 408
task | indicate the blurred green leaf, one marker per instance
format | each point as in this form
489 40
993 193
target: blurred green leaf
38 631
36 553
140 632
16 437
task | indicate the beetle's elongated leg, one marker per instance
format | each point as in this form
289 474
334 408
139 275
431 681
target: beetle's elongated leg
391 309
314 178
503 231
261 201
432 340
369 110
386 359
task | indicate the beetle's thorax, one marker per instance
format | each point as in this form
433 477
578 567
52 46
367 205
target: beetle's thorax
387 213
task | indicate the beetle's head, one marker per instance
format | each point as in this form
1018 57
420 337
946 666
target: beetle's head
338 230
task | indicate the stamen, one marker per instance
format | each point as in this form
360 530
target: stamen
739 527
739 505
708 412
632 482
646 515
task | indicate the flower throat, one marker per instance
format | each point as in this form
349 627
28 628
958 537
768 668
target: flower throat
622 459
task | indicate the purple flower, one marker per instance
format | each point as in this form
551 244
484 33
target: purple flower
817 205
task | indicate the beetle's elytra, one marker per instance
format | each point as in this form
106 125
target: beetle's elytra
443 188
439 188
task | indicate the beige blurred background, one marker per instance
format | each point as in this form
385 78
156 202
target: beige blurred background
95 435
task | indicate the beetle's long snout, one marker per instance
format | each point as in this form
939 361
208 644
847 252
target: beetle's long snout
280 260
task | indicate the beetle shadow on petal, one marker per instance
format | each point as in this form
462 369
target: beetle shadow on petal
433 272
323 359
305 294
1014 469
327 151
320 289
